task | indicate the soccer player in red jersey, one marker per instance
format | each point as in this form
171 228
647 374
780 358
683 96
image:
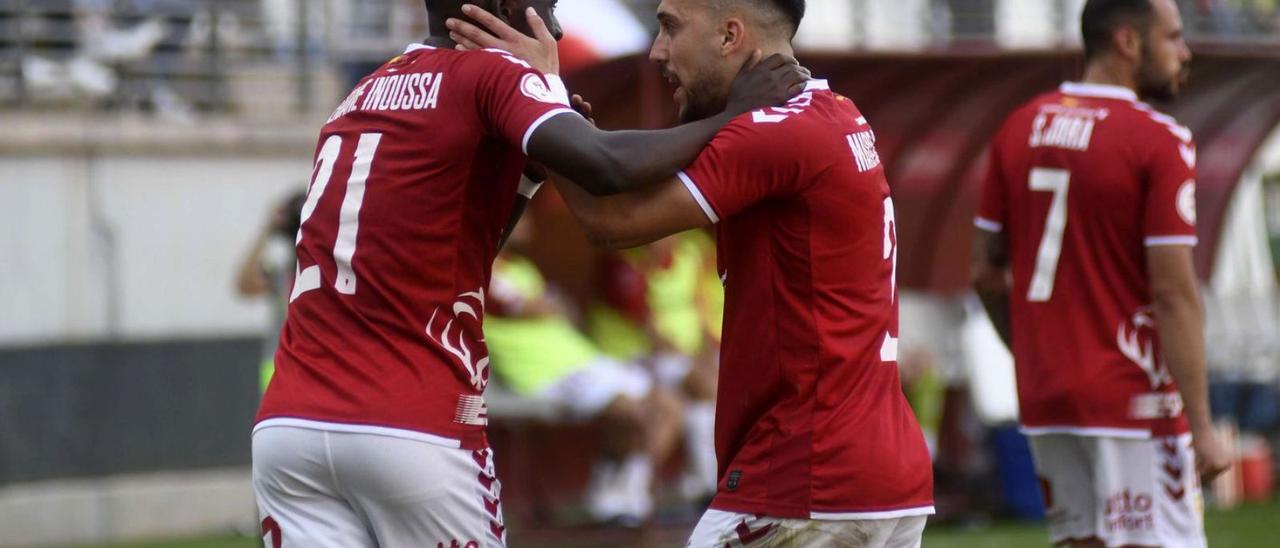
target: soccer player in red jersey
815 441
372 430
1090 204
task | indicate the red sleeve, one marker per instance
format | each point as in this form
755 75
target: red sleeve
514 99
1169 216
993 207
746 163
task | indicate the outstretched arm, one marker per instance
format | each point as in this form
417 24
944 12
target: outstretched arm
604 162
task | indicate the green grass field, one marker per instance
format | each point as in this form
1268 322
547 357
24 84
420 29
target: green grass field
1250 526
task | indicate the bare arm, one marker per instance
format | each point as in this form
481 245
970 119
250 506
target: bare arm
1180 321
251 280
990 271
605 162
635 218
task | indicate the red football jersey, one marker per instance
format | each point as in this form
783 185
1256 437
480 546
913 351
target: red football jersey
415 177
811 421
1081 181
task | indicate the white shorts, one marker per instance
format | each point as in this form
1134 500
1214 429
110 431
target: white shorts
587 392
718 529
319 488
1121 491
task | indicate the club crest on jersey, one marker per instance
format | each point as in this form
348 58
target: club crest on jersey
1187 201
464 318
1136 340
534 87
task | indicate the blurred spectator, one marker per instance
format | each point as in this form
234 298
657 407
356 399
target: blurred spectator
536 352
598 30
663 304
270 275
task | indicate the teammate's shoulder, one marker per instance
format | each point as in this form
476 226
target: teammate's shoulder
500 57
1160 123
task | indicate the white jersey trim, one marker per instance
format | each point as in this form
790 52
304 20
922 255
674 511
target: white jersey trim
528 134
358 429
890 514
415 47
1156 241
697 195
817 85
987 224
1089 431
1080 89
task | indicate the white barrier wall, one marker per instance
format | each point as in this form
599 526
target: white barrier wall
136 246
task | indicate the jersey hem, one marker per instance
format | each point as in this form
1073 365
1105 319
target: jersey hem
697 195
785 511
349 428
1088 431
528 133
1154 241
874 514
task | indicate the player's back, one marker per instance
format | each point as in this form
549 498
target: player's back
808 252
415 176
1082 181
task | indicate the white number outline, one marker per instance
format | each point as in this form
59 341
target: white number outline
889 348
344 247
1057 181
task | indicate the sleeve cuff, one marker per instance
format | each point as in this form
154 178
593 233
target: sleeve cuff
988 225
528 134
1154 241
697 195
528 188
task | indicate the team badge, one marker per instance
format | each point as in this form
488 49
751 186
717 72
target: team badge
535 88
1187 202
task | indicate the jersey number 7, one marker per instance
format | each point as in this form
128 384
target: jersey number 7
344 248
1057 181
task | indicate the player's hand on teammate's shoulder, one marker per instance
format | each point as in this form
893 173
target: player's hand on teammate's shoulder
581 106
539 51
767 82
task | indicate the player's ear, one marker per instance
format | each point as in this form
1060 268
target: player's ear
1127 41
732 36
507 10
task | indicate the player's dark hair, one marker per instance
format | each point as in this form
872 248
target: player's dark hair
1102 17
793 10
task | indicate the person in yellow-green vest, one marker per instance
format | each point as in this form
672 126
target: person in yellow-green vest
663 304
536 352
266 274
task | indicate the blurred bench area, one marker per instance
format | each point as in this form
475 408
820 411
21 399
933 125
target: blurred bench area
182 59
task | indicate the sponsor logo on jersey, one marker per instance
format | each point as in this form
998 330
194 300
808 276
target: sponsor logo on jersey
1129 511
735 478
534 87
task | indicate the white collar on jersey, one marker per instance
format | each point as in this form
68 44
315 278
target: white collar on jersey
416 47
1104 91
817 85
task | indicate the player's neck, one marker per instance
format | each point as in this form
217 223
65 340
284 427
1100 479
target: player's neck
782 48
439 37
1109 74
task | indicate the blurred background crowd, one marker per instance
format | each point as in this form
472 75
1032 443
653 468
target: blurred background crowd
151 156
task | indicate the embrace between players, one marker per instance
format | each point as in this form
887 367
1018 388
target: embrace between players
372 432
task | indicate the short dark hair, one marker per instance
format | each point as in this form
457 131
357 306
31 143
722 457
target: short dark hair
1102 17
793 10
